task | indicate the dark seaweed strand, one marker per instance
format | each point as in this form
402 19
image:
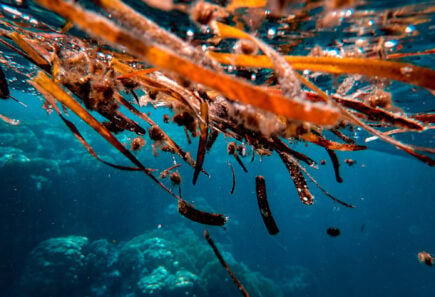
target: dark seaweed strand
234 178
207 218
280 145
298 179
335 164
324 191
189 141
88 147
239 161
263 205
224 264
4 89
343 137
202 141
211 139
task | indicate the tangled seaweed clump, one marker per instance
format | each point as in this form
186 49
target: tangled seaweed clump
264 91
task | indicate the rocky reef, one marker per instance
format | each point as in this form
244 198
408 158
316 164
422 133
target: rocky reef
158 263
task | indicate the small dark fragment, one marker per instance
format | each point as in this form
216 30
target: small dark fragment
322 162
137 144
350 162
207 218
263 204
333 232
175 178
224 264
165 118
156 133
425 258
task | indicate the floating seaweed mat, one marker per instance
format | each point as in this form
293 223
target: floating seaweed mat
405 72
231 87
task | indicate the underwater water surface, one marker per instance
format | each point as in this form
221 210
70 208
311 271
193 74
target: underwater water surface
72 226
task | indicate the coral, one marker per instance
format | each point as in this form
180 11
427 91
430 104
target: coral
55 267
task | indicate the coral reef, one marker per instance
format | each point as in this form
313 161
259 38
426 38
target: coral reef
158 263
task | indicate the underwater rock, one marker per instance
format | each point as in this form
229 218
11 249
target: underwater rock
160 282
217 282
55 267
299 281
155 283
154 251
101 268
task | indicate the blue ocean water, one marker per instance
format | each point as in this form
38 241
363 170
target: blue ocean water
52 188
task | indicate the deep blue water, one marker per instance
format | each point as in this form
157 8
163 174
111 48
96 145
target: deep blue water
61 190
376 254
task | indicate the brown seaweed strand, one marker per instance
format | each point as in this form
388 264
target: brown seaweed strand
202 140
234 178
211 139
130 18
232 88
378 114
331 145
236 156
343 137
281 146
298 178
335 164
398 144
405 72
323 190
89 148
199 216
263 205
224 264
186 132
147 119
